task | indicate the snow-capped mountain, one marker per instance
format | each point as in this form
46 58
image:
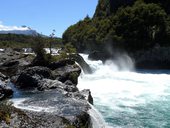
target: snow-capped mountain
17 30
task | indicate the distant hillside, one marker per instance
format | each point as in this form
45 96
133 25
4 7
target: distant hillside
22 41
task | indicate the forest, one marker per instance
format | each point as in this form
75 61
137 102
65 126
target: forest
131 25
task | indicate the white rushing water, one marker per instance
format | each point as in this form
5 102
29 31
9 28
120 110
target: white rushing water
127 99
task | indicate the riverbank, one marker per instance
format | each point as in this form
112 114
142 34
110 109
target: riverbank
47 96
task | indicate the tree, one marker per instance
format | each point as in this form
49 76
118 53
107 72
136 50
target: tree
51 41
140 26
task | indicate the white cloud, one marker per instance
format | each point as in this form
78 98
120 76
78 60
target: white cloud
11 28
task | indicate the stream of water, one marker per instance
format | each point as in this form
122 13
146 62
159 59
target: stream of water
126 98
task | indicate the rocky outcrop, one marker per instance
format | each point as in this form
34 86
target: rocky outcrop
69 72
97 55
52 88
156 58
60 63
32 119
87 94
30 77
3 77
5 91
12 62
79 59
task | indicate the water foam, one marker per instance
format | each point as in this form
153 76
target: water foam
122 95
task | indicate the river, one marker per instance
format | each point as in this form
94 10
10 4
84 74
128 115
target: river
127 98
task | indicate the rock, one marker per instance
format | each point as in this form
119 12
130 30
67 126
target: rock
69 72
10 63
32 119
87 94
61 63
79 59
9 50
30 77
3 77
46 84
5 91
156 58
97 55
13 62
54 91
82 120
9 67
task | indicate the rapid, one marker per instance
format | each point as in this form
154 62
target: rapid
127 98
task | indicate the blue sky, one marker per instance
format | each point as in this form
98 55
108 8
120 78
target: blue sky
45 15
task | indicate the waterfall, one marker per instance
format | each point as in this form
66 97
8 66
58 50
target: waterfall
96 118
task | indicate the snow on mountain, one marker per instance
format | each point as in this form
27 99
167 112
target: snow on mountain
17 30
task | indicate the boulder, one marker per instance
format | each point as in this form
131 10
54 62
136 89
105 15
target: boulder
11 63
9 68
87 94
5 91
30 77
31 119
69 72
97 55
61 63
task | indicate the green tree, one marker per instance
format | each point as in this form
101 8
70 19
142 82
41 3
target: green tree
141 25
51 40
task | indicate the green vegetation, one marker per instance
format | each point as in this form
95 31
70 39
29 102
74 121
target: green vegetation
131 25
23 41
73 77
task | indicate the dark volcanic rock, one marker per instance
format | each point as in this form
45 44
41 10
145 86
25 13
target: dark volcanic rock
12 62
5 91
9 68
61 63
103 56
69 72
156 58
3 77
87 94
30 77
52 99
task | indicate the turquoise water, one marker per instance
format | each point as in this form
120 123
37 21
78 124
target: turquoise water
129 99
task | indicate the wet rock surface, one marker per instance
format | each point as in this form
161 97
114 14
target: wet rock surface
5 90
45 96
79 59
